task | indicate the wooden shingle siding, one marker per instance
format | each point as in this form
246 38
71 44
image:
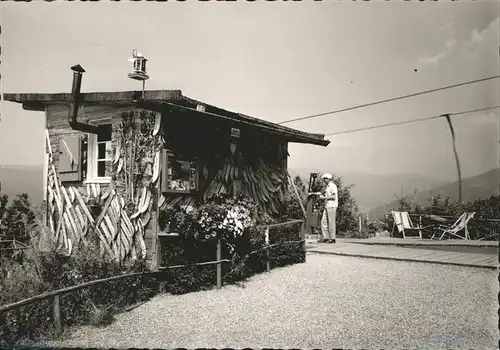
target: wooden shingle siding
60 130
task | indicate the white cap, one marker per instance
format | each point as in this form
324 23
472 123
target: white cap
327 176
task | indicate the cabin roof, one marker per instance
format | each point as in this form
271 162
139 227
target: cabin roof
160 99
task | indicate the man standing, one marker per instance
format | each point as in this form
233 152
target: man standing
328 220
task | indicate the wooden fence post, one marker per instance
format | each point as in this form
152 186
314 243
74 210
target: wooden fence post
158 258
303 236
420 225
219 263
268 262
163 185
56 308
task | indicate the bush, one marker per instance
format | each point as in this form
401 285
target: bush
347 211
242 248
291 209
479 226
287 254
101 318
31 320
41 272
439 205
15 222
50 271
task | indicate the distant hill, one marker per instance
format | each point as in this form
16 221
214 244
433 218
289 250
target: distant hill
477 187
371 191
18 179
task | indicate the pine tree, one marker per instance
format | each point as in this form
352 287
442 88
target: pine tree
16 218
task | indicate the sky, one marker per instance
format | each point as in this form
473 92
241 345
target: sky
277 61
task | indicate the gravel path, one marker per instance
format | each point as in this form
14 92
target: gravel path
330 301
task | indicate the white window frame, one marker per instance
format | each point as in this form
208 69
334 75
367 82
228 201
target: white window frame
92 153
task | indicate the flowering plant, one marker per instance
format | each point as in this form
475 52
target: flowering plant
210 220
179 219
229 216
237 219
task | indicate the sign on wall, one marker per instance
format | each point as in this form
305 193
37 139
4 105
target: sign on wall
235 132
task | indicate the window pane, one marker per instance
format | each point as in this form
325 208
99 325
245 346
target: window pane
101 168
182 175
109 150
104 133
104 151
101 150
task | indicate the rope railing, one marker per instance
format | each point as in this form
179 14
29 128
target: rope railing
248 255
12 248
194 264
13 241
57 292
16 245
291 222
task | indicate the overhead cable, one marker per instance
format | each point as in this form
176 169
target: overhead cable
410 121
390 99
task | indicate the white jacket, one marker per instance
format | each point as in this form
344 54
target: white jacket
332 191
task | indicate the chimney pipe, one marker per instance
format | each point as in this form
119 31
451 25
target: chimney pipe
75 103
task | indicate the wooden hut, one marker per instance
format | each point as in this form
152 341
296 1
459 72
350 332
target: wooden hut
116 159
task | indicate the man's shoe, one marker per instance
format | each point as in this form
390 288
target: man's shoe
332 241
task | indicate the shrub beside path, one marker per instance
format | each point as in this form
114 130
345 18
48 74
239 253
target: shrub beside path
329 301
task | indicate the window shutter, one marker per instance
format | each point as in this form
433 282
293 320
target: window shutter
70 164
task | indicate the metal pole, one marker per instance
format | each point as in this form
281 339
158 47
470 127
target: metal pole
457 160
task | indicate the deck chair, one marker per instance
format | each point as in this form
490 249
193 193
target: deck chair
404 224
459 225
